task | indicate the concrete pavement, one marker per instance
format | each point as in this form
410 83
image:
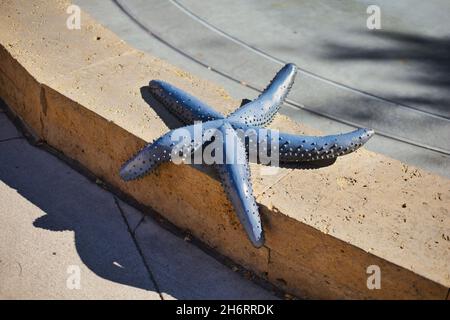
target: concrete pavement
64 237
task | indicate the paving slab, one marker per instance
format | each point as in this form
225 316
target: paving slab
7 129
183 271
55 222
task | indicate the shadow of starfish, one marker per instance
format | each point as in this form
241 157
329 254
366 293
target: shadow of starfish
249 119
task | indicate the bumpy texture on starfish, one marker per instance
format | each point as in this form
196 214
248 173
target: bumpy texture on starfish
253 116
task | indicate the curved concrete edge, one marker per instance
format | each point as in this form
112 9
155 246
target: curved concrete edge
83 92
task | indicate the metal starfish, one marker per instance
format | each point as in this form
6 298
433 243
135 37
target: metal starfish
252 116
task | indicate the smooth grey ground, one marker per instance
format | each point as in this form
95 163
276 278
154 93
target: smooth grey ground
53 218
395 80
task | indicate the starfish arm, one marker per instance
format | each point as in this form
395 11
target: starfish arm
293 148
181 104
262 110
299 148
183 140
235 176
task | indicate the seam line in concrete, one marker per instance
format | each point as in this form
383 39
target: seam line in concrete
43 100
98 63
11 139
274 183
43 105
149 271
138 224
268 254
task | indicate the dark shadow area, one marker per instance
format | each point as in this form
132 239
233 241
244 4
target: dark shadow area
72 203
310 165
169 120
429 57
244 102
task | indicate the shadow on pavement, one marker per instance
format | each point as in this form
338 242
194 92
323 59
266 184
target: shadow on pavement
72 203
429 55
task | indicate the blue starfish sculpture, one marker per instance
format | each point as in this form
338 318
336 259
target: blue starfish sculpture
252 116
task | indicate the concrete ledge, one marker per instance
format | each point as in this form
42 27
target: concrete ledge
83 92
